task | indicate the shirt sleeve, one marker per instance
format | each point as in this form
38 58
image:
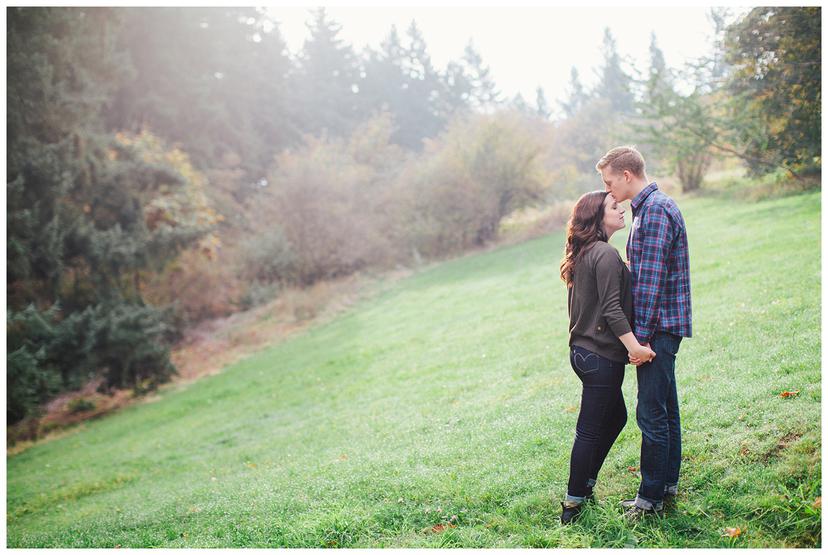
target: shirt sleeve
608 276
657 232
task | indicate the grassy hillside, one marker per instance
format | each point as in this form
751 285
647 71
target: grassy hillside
442 412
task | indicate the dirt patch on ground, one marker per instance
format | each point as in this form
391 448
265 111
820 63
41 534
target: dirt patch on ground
784 442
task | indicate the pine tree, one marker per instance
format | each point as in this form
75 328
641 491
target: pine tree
541 104
577 97
426 108
676 127
484 93
88 211
383 79
458 86
519 104
211 79
327 80
614 83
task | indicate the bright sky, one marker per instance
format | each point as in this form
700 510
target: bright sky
524 47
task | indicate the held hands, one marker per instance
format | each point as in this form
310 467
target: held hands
641 354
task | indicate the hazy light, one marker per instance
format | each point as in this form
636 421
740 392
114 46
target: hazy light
525 47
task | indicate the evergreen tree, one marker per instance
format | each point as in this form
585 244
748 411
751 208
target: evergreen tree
519 104
87 212
484 93
384 82
458 87
676 127
326 80
614 84
426 102
210 79
401 79
658 74
541 104
577 97
61 65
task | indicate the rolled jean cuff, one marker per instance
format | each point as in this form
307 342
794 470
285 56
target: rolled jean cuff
671 489
591 483
648 505
572 500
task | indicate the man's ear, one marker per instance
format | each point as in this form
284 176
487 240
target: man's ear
627 176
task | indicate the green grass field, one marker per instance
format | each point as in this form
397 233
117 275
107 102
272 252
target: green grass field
442 413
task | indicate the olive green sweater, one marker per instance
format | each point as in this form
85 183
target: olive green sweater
600 302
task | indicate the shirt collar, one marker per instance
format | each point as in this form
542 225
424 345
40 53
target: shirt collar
645 192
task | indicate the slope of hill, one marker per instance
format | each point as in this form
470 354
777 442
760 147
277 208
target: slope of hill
441 413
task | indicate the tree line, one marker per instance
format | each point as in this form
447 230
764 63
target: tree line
168 165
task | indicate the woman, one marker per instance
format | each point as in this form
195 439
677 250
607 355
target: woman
600 338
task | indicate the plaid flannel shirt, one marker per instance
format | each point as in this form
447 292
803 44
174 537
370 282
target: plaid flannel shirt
660 266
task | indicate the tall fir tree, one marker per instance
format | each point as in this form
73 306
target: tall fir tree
326 80
614 83
210 79
383 78
577 96
426 101
484 93
81 208
541 104
675 127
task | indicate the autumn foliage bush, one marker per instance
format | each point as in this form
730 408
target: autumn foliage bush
339 205
482 168
319 217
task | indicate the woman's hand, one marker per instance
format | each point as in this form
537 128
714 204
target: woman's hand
641 354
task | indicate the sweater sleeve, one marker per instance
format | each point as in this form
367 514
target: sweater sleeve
608 276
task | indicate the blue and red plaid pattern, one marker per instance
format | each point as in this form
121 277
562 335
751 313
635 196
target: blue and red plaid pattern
659 265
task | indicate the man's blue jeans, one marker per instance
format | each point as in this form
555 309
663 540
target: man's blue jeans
657 413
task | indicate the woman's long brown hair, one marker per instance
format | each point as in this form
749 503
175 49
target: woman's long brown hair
584 228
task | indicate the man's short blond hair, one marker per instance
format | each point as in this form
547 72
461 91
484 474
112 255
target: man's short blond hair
623 158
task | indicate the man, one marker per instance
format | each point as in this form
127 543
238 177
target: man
659 265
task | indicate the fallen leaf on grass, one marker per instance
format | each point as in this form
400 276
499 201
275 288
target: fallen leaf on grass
250 465
437 528
817 504
732 532
571 409
786 394
343 457
632 469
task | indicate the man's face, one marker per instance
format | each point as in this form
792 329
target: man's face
616 184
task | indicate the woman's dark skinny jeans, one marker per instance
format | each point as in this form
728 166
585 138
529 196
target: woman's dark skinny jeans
603 416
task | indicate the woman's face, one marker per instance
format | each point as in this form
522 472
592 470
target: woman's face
613 215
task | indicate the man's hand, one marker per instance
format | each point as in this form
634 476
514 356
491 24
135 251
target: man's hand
643 355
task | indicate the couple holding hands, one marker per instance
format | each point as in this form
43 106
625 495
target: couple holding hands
635 313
